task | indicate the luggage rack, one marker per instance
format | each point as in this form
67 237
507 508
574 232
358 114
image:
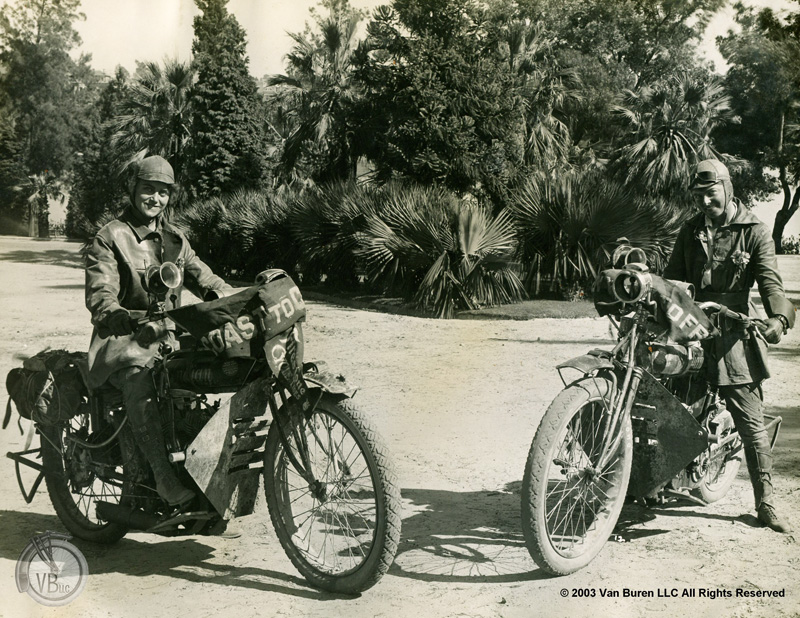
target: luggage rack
23 457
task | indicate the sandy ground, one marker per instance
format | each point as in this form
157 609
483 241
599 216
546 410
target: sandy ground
458 403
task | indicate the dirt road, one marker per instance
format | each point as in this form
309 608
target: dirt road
458 402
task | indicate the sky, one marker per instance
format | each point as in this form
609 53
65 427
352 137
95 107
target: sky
120 32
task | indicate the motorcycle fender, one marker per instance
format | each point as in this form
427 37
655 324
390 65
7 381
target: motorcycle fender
317 375
588 363
666 437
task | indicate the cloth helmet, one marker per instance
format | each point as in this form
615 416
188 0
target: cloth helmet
710 172
157 169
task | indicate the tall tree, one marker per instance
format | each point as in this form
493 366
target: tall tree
98 190
319 92
650 38
44 93
545 86
228 141
764 80
615 45
440 99
12 173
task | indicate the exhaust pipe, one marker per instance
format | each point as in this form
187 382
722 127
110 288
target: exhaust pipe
128 516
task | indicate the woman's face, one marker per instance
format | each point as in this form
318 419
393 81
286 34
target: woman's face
711 201
150 198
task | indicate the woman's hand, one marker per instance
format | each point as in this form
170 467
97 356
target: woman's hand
119 323
772 330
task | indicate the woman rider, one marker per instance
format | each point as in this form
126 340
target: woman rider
723 251
116 265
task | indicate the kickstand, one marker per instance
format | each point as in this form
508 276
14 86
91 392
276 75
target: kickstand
684 496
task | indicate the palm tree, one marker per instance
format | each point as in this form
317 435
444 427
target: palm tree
155 116
440 252
569 226
545 87
318 89
669 129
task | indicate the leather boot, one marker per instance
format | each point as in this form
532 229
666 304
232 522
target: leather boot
759 465
768 517
146 425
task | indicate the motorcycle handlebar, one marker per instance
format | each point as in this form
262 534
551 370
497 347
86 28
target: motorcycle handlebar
745 320
139 321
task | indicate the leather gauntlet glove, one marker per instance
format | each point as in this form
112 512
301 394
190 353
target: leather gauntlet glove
119 323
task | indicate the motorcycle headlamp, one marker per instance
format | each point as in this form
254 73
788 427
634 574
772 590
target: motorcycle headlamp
159 279
631 286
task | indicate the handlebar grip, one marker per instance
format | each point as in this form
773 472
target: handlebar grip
104 332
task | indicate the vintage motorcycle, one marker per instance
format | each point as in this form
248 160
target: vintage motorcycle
639 421
329 483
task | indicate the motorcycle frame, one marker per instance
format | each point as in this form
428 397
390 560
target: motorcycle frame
105 401
619 367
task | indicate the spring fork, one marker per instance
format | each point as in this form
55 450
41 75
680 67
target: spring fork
622 405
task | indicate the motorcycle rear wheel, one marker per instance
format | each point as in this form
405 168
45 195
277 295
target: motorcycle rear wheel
74 480
719 475
341 535
569 508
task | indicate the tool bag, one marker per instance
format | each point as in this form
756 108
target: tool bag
49 387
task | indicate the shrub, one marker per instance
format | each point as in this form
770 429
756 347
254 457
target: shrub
325 221
568 228
440 252
241 234
790 245
206 225
260 220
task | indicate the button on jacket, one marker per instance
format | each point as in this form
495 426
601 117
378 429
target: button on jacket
115 266
742 254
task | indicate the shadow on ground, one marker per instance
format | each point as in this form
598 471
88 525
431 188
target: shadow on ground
53 257
470 537
189 558
634 514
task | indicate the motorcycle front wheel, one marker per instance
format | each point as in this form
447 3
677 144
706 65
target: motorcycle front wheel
77 477
569 505
340 524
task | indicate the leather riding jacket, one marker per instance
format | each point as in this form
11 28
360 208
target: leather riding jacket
723 271
115 267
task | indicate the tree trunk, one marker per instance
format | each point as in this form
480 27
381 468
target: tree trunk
790 205
44 220
33 223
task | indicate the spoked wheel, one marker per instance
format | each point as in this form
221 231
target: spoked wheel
77 477
569 504
340 524
719 467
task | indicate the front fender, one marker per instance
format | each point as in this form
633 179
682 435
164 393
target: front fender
317 375
588 363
